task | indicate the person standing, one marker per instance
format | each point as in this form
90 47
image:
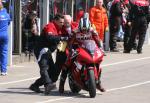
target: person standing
4 22
115 20
69 26
139 16
80 13
99 19
47 43
30 32
127 25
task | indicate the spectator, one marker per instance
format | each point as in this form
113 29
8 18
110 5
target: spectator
4 22
47 44
30 31
68 22
109 5
98 18
70 26
115 21
139 15
80 14
127 25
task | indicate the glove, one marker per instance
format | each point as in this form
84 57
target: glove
129 23
64 38
107 29
93 26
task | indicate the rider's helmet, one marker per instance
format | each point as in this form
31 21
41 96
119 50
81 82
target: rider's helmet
85 24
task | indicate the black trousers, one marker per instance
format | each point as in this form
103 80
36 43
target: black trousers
127 34
139 27
29 40
115 23
49 71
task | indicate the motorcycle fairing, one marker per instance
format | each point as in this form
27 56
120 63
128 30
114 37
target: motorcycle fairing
85 57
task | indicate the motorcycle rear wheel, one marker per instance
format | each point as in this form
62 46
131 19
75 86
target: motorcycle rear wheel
91 83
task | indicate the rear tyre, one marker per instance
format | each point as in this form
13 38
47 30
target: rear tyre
73 86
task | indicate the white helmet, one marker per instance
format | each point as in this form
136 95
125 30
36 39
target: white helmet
85 23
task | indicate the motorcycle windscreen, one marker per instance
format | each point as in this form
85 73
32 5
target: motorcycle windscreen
96 53
90 45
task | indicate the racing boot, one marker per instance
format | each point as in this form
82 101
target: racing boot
100 87
35 88
139 51
49 87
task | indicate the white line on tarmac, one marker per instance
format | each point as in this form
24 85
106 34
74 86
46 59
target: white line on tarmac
18 66
109 90
132 60
18 81
129 86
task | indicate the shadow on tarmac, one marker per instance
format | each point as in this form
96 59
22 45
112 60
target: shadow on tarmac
26 91
18 91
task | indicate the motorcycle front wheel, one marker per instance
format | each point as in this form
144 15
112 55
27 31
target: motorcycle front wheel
91 83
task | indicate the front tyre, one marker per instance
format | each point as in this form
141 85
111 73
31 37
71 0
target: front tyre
91 83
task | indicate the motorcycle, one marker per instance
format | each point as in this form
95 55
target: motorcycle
84 69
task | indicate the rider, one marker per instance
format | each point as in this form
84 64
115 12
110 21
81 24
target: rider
84 27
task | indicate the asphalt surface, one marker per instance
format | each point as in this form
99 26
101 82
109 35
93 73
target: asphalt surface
126 78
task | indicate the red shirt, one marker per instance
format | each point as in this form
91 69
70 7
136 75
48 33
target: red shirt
74 25
79 15
53 29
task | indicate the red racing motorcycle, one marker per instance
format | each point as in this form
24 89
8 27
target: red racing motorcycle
85 70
